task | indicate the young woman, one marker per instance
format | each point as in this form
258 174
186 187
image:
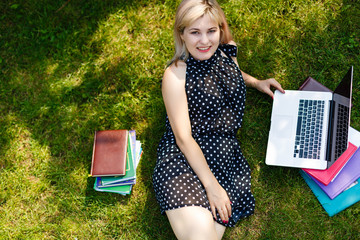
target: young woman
201 179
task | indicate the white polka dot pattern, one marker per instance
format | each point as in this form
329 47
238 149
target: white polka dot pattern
216 96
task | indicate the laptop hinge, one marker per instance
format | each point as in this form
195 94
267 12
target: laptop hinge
330 130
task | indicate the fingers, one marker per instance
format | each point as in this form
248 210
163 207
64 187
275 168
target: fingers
219 203
213 210
277 85
268 92
265 86
225 212
223 215
229 209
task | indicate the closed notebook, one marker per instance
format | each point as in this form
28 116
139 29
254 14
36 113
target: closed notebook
130 170
311 84
109 153
123 190
333 206
345 178
122 183
128 178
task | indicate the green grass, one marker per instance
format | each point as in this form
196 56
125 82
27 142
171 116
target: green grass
96 65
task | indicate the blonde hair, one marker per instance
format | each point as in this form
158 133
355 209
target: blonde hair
187 13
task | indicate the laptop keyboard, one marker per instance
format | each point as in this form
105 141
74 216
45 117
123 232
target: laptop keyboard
309 129
342 130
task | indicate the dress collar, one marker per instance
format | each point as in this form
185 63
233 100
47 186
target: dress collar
192 62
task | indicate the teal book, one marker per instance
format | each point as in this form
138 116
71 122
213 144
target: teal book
333 206
130 169
123 190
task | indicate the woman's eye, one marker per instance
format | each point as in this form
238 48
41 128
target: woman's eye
195 32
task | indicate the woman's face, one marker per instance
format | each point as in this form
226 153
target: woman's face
202 37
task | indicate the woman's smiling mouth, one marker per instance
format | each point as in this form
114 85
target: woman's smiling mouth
203 49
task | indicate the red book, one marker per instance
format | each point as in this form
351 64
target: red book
109 153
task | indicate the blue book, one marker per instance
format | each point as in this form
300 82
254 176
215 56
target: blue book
333 206
121 183
123 190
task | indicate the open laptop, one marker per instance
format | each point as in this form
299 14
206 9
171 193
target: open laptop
309 129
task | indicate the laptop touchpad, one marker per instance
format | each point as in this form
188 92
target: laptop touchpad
282 126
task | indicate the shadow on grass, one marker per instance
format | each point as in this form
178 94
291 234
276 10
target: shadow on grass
44 50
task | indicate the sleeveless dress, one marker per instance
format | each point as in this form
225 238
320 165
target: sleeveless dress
215 92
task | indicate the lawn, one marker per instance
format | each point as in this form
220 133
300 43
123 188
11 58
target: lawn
68 68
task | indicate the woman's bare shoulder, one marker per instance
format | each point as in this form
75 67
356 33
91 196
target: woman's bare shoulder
175 71
180 66
232 43
173 83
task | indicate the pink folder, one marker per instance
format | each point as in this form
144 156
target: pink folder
327 175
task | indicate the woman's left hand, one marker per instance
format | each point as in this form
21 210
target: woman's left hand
265 86
262 85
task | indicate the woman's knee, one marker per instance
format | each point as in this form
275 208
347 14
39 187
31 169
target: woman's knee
192 223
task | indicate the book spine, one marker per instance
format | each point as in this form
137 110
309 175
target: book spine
125 150
93 155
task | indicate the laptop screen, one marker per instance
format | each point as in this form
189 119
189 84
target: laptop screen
345 87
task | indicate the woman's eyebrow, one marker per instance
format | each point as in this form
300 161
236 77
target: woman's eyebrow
194 28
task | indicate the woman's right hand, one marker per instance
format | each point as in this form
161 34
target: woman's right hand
219 201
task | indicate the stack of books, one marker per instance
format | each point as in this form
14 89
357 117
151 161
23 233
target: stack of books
337 187
116 155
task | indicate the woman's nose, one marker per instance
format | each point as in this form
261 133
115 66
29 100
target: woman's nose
204 39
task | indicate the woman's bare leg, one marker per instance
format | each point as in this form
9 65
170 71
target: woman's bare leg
194 223
220 230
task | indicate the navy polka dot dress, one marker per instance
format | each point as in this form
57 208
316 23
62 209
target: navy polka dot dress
216 96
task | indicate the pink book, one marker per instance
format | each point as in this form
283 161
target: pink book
327 175
346 177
